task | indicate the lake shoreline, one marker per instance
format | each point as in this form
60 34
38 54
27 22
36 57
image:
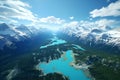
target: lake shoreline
84 68
64 58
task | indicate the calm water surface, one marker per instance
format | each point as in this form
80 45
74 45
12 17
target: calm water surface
62 65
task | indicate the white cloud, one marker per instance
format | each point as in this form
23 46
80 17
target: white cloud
117 29
3 18
105 22
13 11
71 24
112 9
89 25
16 9
51 20
71 18
98 23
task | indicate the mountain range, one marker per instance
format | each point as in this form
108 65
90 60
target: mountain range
103 38
18 37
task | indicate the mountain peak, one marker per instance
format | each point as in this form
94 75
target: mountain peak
3 26
97 31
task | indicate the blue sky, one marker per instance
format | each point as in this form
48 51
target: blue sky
65 8
52 13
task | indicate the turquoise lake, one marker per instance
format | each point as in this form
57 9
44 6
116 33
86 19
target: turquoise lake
62 65
54 41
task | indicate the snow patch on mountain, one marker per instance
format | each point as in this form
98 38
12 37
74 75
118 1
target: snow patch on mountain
10 34
96 34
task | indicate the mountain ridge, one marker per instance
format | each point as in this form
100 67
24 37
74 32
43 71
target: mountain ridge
101 39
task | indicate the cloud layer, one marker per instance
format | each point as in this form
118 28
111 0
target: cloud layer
15 9
71 18
51 19
112 9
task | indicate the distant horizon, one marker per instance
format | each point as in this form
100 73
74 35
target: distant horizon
56 14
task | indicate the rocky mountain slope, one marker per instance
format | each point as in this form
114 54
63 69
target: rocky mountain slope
103 39
14 37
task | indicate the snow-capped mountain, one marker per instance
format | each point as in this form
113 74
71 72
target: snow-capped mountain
16 37
10 34
3 27
95 37
24 30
